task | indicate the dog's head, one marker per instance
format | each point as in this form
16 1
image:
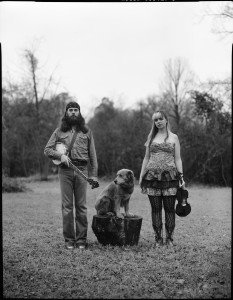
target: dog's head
125 178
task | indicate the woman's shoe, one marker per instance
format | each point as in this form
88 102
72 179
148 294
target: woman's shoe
169 242
158 235
159 242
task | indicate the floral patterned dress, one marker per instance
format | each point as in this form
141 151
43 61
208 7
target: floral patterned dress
161 175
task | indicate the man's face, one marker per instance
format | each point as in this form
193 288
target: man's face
72 112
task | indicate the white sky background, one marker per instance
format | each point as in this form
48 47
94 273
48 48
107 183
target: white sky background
114 50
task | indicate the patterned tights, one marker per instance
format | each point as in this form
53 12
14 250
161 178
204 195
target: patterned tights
156 213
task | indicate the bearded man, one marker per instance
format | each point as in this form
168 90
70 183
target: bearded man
82 155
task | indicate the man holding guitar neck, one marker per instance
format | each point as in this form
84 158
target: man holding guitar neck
72 146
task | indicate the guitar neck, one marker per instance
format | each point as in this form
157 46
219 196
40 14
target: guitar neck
93 183
78 171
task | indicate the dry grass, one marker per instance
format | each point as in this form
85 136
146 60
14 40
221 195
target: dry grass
36 265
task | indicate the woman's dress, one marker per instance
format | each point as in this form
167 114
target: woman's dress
160 175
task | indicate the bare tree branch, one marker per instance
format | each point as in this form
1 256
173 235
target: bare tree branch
177 82
222 18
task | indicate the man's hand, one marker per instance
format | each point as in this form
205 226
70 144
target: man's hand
94 182
94 178
65 159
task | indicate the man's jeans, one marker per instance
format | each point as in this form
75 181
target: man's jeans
72 184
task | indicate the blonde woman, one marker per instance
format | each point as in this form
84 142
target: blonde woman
161 175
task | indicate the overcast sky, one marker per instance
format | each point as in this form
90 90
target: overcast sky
114 50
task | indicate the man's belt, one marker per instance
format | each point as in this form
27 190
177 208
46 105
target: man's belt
78 162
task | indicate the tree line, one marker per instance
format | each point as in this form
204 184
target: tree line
205 138
196 115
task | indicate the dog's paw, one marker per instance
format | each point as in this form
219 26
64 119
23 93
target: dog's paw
129 215
121 216
111 214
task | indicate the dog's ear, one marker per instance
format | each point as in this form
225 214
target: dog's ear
130 177
130 173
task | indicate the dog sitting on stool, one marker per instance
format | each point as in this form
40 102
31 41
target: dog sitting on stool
116 194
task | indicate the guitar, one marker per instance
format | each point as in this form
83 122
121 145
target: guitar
61 148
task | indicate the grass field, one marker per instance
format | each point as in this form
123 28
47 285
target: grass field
36 264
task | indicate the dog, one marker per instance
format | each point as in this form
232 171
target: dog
116 195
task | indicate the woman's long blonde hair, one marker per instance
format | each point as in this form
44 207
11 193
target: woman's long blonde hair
154 129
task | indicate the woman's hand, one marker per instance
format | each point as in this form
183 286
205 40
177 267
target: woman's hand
182 183
140 180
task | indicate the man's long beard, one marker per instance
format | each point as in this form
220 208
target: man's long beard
73 120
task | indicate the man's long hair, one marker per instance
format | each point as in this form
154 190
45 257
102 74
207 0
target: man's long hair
79 124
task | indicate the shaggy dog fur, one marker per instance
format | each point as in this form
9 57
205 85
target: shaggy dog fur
116 194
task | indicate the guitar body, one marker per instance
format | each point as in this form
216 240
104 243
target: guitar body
62 149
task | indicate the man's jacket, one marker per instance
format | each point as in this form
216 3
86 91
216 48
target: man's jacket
83 148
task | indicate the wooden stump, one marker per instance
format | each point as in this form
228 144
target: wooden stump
117 231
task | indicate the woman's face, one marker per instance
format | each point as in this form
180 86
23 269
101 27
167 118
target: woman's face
160 121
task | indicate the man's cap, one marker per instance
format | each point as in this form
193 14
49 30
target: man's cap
72 104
